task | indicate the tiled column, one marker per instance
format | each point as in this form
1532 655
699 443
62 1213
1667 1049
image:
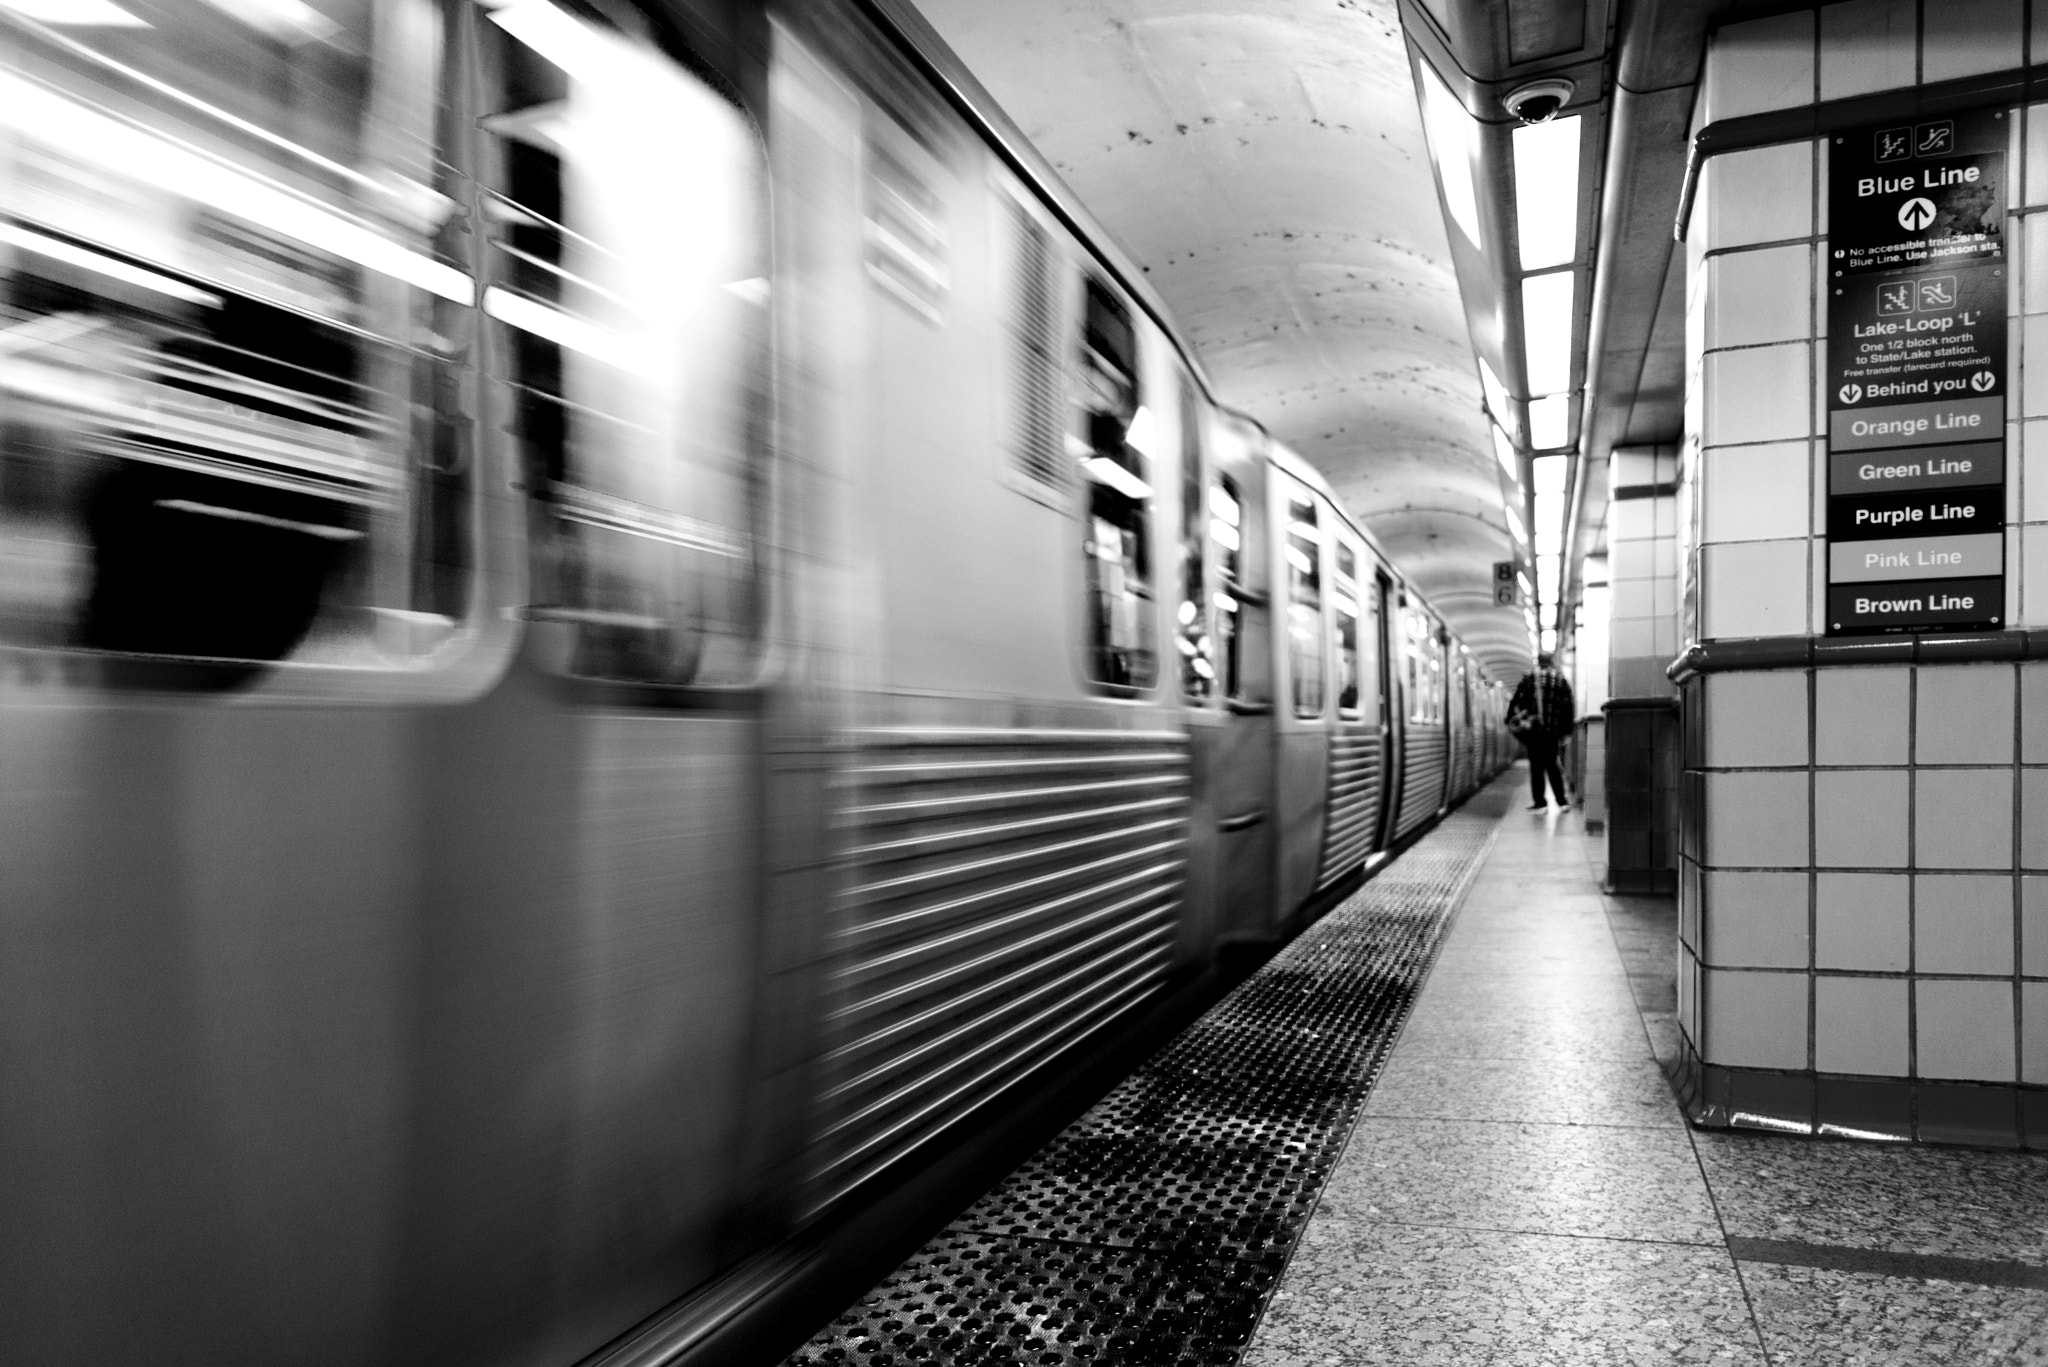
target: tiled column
1864 938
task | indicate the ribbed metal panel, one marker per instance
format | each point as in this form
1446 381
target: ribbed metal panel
1354 802
1422 784
1009 891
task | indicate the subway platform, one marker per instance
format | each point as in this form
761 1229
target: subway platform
1438 1128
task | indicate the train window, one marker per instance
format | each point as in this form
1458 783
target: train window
1346 602
1305 605
630 281
1425 669
1117 439
233 309
1197 650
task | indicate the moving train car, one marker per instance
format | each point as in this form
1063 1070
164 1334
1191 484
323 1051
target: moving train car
614 623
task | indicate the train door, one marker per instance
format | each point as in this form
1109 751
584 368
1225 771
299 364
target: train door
1302 725
1242 769
1201 677
1391 712
1352 790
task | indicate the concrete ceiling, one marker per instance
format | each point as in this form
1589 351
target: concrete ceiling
1263 161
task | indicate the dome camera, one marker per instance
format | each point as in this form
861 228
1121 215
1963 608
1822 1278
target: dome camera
1538 101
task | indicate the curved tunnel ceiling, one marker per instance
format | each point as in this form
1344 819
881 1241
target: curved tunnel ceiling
1264 163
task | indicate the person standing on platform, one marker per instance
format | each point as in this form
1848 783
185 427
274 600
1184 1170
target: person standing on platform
1540 715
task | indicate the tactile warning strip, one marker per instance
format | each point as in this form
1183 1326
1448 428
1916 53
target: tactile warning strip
1152 1230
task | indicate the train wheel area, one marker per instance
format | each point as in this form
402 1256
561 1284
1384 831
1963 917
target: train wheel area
1440 1127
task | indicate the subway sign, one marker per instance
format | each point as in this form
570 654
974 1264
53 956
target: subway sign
1916 376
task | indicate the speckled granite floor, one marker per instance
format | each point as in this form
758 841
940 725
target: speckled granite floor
1522 1190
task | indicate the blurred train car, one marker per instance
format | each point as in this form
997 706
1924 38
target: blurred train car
614 623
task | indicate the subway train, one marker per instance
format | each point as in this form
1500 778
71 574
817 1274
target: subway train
615 623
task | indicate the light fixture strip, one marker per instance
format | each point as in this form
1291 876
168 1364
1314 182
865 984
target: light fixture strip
1547 331
1550 422
1453 137
1547 192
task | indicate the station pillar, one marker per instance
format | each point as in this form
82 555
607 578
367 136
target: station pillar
1862 553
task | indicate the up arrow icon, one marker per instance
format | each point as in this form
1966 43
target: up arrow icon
1916 214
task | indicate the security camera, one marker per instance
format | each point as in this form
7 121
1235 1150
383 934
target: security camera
1538 101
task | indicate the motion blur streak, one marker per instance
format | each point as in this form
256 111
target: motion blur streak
518 821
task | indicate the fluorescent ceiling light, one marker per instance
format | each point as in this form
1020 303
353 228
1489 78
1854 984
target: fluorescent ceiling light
1222 506
1143 436
1223 534
288 21
82 13
1504 452
1515 523
1497 401
1454 146
1547 192
576 47
568 331
1547 332
1550 422
101 264
110 145
1548 474
1549 524
1103 470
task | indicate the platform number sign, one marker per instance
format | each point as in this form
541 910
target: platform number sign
1917 376
1505 573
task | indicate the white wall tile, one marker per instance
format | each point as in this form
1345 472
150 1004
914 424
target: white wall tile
1860 714
1964 1030
1755 1020
1971 37
1756 820
2031 472
1962 818
1755 493
2036 188
1633 637
1867 45
2033 576
1760 65
2034 1032
1860 1025
2034 818
1859 818
2033 245
1635 597
1753 588
1962 923
1688 995
1756 920
2034 713
1756 719
2034 926
1760 194
1763 394
1964 714
2034 378
1862 921
1759 296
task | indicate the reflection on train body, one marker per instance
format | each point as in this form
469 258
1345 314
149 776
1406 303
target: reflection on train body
616 623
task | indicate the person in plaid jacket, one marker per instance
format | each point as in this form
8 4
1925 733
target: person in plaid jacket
1540 715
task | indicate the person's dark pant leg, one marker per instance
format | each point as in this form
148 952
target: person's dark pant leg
1542 764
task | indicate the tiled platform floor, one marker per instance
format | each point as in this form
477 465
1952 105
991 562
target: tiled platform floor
1522 1189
